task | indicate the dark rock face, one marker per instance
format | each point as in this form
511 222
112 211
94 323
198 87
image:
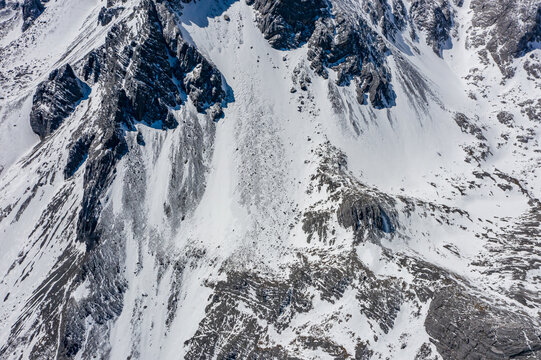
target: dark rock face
163 70
144 74
55 99
77 155
97 177
106 15
393 18
150 89
465 327
336 41
375 86
364 213
158 70
435 19
506 118
526 43
104 303
92 67
287 24
354 51
229 332
140 139
31 10
440 32
315 223
202 81
505 30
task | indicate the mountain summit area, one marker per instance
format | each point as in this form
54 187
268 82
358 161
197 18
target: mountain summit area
270 179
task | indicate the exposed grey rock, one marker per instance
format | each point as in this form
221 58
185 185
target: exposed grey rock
106 15
463 326
435 19
506 118
102 272
364 213
77 155
55 99
354 51
482 150
31 10
505 29
363 352
425 353
315 222
287 24
92 66
533 66
277 302
468 126
336 41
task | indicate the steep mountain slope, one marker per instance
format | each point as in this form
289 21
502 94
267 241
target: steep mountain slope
293 179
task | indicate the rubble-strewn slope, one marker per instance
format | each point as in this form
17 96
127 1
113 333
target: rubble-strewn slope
295 179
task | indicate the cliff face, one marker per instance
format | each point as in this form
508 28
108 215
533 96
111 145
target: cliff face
270 179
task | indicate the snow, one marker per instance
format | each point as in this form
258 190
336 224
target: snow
259 167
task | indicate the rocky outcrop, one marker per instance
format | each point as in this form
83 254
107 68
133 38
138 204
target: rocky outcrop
77 155
31 10
474 153
158 70
435 20
91 67
463 326
106 15
144 75
468 126
362 214
55 99
336 40
202 81
246 306
356 53
504 30
369 214
532 38
287 24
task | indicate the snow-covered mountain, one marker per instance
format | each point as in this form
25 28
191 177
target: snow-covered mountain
270 179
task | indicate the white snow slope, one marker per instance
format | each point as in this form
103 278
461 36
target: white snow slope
259 167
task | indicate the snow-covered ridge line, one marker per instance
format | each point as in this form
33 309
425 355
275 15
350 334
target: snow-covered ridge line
249 179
